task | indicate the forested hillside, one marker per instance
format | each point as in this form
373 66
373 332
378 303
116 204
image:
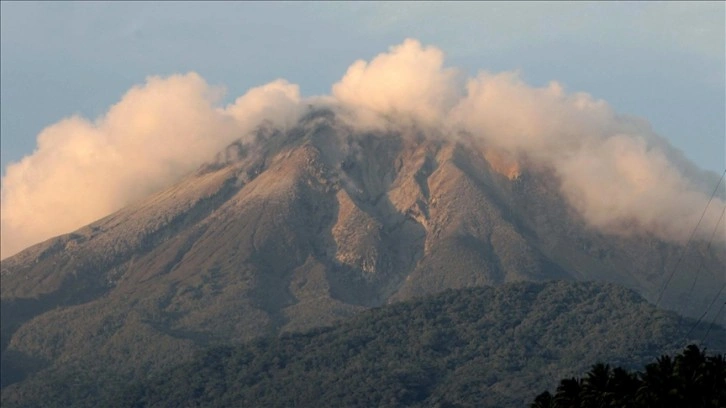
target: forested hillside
473 347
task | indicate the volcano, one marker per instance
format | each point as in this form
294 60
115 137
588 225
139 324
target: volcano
297 228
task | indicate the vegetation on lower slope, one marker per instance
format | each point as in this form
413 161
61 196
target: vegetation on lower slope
472 347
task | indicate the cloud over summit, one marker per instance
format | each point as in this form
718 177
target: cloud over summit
409 80
83 170
617 174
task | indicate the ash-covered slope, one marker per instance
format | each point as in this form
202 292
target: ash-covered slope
303 227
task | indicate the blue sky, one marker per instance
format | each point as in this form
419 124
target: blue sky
661 61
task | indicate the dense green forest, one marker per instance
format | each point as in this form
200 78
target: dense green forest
472 347
690 379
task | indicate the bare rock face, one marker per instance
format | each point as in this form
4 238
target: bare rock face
304 227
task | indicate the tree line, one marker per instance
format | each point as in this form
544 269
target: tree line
690 379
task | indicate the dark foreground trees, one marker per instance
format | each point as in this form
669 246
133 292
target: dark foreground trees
689 380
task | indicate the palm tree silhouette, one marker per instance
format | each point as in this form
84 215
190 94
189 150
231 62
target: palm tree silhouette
568 394
596 390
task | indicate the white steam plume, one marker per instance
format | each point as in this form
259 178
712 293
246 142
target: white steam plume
619 175
408 83
82 170
614 170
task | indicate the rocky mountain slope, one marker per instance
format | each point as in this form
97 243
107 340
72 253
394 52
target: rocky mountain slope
303 227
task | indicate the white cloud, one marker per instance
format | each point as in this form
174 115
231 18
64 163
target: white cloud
83 170
409 81
614 171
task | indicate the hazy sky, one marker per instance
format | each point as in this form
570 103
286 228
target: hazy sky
661 61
